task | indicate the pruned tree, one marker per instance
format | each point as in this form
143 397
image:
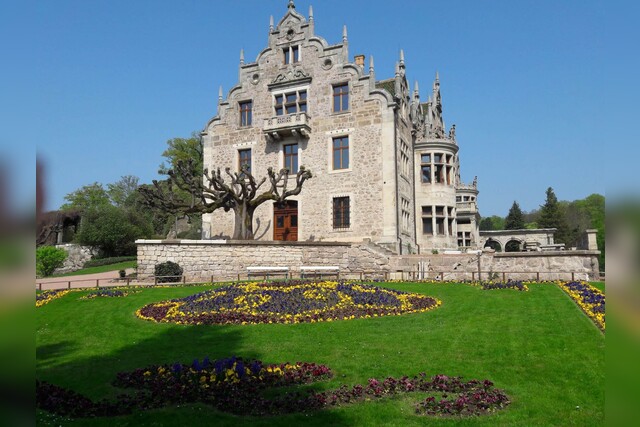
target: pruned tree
187 193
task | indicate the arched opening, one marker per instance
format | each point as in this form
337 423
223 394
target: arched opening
513 246
493 244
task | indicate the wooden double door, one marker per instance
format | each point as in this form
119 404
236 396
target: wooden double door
285 221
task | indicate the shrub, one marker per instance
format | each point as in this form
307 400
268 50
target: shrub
108 261
168 272
48 258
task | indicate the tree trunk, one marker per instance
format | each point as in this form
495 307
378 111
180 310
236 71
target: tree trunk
243 228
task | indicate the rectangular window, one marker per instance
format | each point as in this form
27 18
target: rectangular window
244 160
291 102
245 113
425 167
291 54
439 176
340 97
440 226
404 158
405 215
341 153
291 157
427 225
341 218
427 220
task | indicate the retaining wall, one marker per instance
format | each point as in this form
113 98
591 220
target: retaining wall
225 259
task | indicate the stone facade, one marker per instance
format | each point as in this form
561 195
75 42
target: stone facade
224 259
364 139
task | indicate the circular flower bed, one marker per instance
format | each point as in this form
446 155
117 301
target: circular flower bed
291 302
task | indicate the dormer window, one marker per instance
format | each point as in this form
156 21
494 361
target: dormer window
291 54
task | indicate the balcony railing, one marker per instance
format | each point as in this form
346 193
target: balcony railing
278 127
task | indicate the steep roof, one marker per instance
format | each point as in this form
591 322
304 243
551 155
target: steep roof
389 85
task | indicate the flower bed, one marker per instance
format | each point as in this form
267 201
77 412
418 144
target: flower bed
511 284
45 297
236 386
107 293
590 299
287 302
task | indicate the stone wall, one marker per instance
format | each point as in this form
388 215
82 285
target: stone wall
76 257
551 265
220 259
204 259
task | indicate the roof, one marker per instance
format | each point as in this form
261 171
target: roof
389 85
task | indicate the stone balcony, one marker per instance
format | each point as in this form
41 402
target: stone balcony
466 207
277 127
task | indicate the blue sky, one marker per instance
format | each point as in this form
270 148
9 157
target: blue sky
540 91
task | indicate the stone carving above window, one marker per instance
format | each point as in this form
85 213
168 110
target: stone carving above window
290 76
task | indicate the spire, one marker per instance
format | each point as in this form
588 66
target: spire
291 5
402 56
220 94
416 91
310 13
371 64
241 56
271 23
437 77
344 34
397 69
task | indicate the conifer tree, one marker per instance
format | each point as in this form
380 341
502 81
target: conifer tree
552 216
515 218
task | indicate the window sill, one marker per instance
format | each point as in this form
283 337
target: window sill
340 113
338 171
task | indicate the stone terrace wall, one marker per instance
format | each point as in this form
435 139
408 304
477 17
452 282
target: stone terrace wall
550 265
203 259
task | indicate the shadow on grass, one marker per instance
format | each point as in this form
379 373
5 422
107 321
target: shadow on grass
88 359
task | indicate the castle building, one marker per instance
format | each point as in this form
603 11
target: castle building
384 166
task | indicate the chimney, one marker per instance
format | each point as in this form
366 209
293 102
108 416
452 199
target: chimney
359 60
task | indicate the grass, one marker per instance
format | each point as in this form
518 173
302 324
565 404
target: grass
100 269
536 345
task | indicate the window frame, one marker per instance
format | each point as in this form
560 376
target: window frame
342 221
342 96
426 164
246 115
291 51
293 154
341 148
240 160
281 104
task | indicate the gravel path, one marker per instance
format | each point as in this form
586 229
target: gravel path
108 278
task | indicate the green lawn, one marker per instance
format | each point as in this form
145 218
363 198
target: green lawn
536 345
100 269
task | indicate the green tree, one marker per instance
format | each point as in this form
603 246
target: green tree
186 150
515 218
112 231
121 191
87 197
493 222
553 216
48 259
